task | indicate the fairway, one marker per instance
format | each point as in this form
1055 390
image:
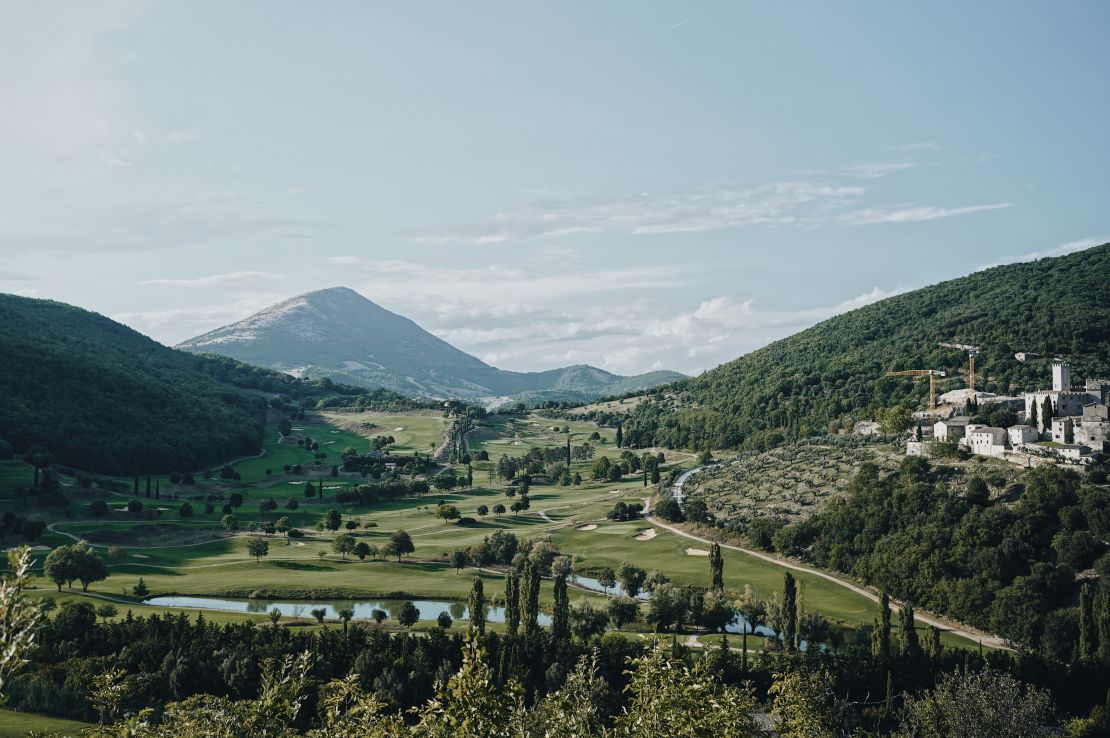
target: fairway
15 724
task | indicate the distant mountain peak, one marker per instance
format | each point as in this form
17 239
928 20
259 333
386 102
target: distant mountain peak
339 333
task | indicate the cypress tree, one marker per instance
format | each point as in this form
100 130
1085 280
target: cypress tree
789 611
880 642
148 486
620 436
530 597
476 604
1088 637
157 489
560 621
889 692
934 647
512 603
568 450
716 569
1046 414
1032 419
136 486
910 644
645 476
1103 624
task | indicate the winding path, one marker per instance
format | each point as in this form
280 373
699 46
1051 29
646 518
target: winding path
987 639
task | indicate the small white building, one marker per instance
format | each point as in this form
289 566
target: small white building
951 429
1022 434
1062 430
987 441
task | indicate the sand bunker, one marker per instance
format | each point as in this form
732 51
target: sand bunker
140 556
647 535
398 429
696 552
591 526
295 543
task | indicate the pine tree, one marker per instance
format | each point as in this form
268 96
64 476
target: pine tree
560 620
880 643
1088 636
476 604
512 603
789 611
716 569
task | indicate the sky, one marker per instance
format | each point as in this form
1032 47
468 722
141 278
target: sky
635 185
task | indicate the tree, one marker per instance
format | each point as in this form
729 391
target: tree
620 436
258 547
985 704
444 620
880 640
235 500
60 566
499 509
754 611
801 704
281 525
320 613
483 511
309 490
911 646
476 606
90 567
400 543
1046 415
716 569
896 419
333 519
1088 634
379 616
606 578
185 511
560 619
408 615
447 512
345 614
98 508
230 523
362 550
140 590
529 597
587 622
343 545
631 579
789 612
459 559
512 603
622 611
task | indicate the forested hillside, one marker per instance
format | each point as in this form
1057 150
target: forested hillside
98 396
833 372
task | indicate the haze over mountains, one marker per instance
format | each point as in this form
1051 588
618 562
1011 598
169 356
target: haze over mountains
338 333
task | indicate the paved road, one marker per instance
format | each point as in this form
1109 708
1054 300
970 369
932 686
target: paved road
986 639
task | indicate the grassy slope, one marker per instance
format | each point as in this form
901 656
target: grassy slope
15 724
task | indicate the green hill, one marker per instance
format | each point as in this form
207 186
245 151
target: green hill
100 397
833 372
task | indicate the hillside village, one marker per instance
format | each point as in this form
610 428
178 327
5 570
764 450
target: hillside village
1068 424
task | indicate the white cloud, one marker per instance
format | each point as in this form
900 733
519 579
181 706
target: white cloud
931 146
912 213
214 279
1063 249
874 170
176 138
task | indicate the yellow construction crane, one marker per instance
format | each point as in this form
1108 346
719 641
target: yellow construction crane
917 374
972 352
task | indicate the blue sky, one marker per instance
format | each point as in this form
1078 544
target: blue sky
634 185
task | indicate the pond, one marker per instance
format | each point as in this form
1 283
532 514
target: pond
364 609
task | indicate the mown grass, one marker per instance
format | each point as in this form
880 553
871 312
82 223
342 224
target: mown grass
15 724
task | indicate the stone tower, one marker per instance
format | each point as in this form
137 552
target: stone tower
1061 376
